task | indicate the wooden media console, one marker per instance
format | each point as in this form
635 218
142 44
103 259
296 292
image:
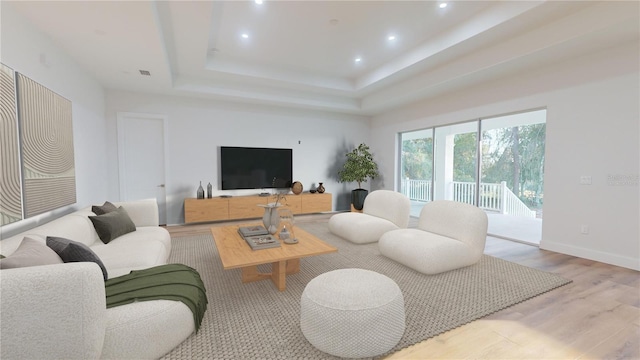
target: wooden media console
246 207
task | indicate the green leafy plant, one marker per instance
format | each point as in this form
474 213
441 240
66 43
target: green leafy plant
359 166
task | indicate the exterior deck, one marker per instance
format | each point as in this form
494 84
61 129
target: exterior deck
527 230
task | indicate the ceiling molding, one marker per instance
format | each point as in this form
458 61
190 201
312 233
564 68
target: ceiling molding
300 54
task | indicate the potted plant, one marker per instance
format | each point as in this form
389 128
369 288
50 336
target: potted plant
359 167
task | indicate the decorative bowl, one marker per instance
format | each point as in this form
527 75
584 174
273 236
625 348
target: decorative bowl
312 191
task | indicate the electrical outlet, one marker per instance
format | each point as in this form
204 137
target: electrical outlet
585 180
584 229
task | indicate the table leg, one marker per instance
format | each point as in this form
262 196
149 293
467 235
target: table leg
279 274
251 274
293 266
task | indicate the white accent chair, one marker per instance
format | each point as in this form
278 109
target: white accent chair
450 235
383 210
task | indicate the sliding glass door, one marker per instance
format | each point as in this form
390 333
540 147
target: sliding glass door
416 168
456 158
513 150
501 170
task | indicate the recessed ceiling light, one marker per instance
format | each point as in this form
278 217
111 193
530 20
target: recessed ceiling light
259 2
443 5
245 36
357 60
391 37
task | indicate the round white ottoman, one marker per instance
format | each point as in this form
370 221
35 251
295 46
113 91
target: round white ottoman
352 313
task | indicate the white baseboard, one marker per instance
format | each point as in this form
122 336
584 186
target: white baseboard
608 258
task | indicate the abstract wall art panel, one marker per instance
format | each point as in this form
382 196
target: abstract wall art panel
10 185
46 131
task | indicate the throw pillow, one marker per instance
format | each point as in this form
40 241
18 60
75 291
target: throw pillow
73 251
112 225
30 252
107 207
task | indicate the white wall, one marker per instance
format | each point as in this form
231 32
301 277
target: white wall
197 127
593 112
592 129
23 48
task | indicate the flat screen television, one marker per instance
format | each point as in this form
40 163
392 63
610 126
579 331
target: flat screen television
255 168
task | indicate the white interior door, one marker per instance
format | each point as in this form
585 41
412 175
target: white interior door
141 158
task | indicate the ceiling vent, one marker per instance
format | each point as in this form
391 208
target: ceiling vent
145 72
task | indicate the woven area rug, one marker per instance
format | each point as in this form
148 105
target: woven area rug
256 321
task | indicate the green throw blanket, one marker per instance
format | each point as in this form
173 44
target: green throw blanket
165 282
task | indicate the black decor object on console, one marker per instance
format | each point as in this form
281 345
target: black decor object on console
255 168
200 192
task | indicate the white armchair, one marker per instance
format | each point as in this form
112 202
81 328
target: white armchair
450 235
384 210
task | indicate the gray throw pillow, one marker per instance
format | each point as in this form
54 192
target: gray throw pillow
30 252
105 208
73 251
112 225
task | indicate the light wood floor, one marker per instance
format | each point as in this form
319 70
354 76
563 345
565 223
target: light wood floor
597 316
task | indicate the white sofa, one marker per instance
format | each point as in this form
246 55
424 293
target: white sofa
148 246
59 311
383 210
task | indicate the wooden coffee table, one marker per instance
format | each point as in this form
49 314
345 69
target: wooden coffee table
285 260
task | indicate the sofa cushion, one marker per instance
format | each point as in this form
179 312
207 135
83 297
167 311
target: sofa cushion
30 252
76 226
426 252
145 233
113 224
73 251
142 212
359 228
105 208
121 256
166 322
389 205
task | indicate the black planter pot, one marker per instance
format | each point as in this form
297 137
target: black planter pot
357 198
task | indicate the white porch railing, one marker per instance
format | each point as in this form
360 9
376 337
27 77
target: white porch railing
493 197
418 190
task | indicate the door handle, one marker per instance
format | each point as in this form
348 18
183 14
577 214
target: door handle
161 185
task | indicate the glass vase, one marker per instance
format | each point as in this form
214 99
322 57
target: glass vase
271 218
287 233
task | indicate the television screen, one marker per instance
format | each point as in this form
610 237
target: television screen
255 168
